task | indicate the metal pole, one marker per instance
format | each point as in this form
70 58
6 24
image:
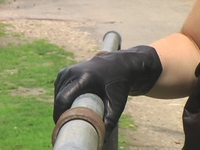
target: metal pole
112 42
81 127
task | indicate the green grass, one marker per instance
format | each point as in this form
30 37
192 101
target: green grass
4 33
26 121
2 27
2 1
31 65
123 142
127 123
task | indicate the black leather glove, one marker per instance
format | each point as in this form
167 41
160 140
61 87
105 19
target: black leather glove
112 77
191 119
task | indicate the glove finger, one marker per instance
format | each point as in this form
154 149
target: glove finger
115 101
65 97
64 77
61 77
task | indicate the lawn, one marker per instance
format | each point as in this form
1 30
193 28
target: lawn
26 93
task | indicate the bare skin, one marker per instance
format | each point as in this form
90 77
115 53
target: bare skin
179 57
179 54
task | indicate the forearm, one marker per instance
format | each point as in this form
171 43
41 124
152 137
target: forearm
179 57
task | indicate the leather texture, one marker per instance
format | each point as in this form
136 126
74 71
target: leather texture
112 76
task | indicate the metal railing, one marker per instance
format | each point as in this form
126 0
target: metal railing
81 127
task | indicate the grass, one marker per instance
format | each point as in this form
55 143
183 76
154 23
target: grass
127 123
123 142
2 1
2 27
26 121
36 63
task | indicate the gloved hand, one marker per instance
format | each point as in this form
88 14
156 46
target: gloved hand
111 76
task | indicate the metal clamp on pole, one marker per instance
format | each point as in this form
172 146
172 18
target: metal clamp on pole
81 127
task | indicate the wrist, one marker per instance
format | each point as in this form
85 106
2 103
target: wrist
144 67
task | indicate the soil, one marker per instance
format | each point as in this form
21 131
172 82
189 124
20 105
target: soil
159 125
22 91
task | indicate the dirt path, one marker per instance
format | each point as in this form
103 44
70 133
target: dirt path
76 29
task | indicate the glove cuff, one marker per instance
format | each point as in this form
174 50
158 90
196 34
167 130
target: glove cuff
145 68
